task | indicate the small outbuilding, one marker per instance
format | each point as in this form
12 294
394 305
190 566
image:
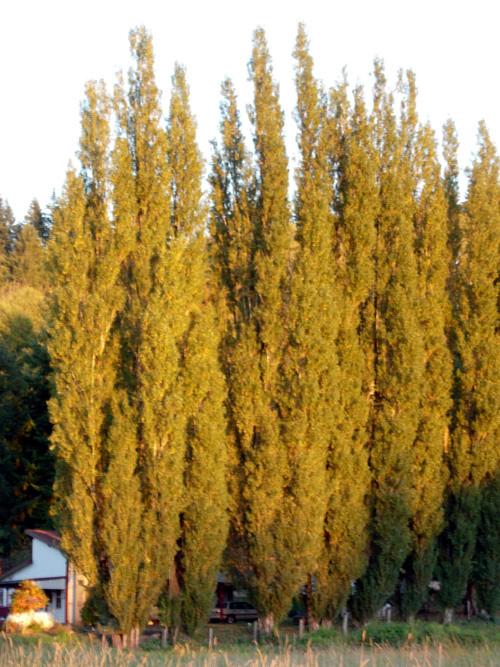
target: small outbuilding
49 568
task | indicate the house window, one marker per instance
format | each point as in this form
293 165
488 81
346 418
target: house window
58 600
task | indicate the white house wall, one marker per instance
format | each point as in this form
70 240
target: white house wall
48 562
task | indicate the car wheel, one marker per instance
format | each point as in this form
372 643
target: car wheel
230 619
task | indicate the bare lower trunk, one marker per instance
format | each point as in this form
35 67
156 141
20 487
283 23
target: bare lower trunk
345 623
130 640
176 632
312 623
164 637
266 624
411 618
472 600
117 641
448 615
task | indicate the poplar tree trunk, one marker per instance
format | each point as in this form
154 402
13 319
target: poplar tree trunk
448 615
312 622
266 624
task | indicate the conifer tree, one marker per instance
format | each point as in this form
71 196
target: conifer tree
474 457
263 542
27 463
204 517
398 364
7 236
39 220
27 258
7 227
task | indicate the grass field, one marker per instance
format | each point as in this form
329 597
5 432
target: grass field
424 645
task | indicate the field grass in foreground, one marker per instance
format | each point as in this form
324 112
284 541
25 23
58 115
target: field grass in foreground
463 647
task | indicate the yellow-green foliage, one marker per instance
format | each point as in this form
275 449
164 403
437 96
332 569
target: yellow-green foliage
355 205
398 362
204 517
151 420
322 447
474 453
254 270
84 300
429 474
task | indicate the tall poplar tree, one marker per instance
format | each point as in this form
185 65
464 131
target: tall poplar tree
311 368
263 543
398 364
429 474
474 457
153 422
353 165
84 300
204 519
232 250
336 159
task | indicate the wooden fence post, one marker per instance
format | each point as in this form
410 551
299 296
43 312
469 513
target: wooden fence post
345 623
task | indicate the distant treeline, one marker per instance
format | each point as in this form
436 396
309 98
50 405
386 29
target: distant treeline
301 393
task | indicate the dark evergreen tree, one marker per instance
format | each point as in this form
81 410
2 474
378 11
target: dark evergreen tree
27 260
7 236
27 462
39 220
7 227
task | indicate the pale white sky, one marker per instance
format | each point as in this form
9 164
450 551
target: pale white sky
50 48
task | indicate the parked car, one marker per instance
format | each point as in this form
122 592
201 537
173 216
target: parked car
234 611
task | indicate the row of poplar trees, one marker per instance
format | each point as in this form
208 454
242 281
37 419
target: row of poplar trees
307 386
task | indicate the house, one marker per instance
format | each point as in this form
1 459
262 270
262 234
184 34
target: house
49 568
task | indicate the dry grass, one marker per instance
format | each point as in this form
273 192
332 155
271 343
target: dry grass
16 652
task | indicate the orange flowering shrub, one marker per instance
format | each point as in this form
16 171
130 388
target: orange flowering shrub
28 597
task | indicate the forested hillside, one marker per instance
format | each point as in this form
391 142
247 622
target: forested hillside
290 377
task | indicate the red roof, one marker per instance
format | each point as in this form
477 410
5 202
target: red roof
49 537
